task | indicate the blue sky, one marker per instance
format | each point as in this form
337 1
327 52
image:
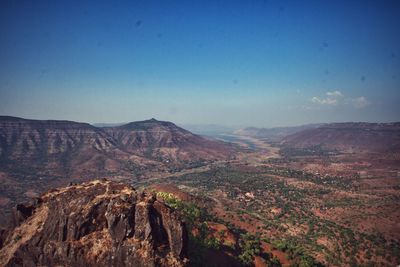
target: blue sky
259 63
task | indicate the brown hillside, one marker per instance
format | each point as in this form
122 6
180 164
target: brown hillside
351 137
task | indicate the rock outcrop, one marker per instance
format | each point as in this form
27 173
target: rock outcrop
100 223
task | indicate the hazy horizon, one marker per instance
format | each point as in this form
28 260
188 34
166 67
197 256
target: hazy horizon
201 126
229 63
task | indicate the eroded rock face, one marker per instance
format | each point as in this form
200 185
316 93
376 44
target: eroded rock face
100 223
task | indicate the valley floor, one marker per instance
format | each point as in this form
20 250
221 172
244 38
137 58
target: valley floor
329 207
304 206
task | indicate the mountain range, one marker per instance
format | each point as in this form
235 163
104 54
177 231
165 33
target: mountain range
36 155
67 147
107 223
349 137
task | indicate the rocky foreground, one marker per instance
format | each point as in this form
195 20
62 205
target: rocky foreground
100 223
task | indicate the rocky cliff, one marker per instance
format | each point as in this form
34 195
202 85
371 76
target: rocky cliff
100 223
67 148
36 155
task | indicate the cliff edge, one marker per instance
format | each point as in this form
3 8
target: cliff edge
100 223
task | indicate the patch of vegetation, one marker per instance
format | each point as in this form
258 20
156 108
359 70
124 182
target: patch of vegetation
250 246
289 212
317 150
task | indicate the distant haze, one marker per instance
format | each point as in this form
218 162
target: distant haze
229 63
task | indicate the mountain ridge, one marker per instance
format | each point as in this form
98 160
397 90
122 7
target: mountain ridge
106 136
349 136
36 155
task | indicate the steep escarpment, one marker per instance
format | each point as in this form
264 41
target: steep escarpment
62 146
100 223
36 155
23 139
58 147
164 141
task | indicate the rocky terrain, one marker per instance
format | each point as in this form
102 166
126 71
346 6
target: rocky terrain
36 155
100 223
322 196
